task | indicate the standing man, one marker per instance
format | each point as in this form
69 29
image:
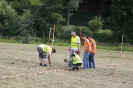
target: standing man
92 53
75 43
45 53
87 50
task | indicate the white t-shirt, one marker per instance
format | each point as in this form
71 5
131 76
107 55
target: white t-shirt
49 52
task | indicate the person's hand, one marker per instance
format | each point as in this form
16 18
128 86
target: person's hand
93 52
50 65
79 52
86 50
69 49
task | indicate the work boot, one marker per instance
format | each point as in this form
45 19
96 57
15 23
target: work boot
73 68
40 64
77 68
45 65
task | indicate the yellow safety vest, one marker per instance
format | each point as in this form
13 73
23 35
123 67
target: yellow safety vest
45 48
93 46
74 43
77 59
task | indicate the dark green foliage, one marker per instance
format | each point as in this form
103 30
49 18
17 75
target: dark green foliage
121 20
103 36
9 20
81 18
29 21
96 23
26 28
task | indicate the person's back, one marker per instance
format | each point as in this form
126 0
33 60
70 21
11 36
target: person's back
75 61
76 58
93 45
45 53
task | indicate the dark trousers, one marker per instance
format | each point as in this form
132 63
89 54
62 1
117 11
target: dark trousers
91 60
70 64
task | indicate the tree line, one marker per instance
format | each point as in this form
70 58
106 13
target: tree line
106 20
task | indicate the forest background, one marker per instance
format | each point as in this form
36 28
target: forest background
29 21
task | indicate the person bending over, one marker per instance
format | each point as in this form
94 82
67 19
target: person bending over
45 53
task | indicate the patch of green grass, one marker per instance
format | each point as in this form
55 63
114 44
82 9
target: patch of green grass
17 59
116 48
8 41
60 42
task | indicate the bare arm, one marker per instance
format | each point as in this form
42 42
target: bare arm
49 59
72 59
79 47
93 47
87 47
79 42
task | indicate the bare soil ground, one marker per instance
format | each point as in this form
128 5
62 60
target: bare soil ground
16 59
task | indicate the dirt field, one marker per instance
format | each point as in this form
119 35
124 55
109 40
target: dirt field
21 61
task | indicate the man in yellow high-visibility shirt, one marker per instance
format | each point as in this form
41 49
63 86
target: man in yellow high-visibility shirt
45 53
75 43
75 61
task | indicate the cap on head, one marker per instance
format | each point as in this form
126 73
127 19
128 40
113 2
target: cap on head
54 50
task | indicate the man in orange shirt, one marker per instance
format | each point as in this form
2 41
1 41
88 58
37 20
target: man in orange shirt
92 53
87 50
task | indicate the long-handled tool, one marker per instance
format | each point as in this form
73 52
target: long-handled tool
53 36
49 36
121 45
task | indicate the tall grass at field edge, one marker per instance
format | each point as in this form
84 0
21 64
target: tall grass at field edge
58 42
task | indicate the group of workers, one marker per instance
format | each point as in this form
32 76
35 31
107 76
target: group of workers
75 61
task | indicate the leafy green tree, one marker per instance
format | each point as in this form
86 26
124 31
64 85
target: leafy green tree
35 2
71 6
96 23
121 19
26 28
48 14
45 13
9 20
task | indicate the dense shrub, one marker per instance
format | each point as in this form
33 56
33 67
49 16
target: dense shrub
103 36
96 23
62 32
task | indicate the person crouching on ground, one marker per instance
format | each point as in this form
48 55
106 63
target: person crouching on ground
75 61
45 53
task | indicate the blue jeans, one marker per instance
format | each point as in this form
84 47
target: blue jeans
91 61
70 64
86 60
